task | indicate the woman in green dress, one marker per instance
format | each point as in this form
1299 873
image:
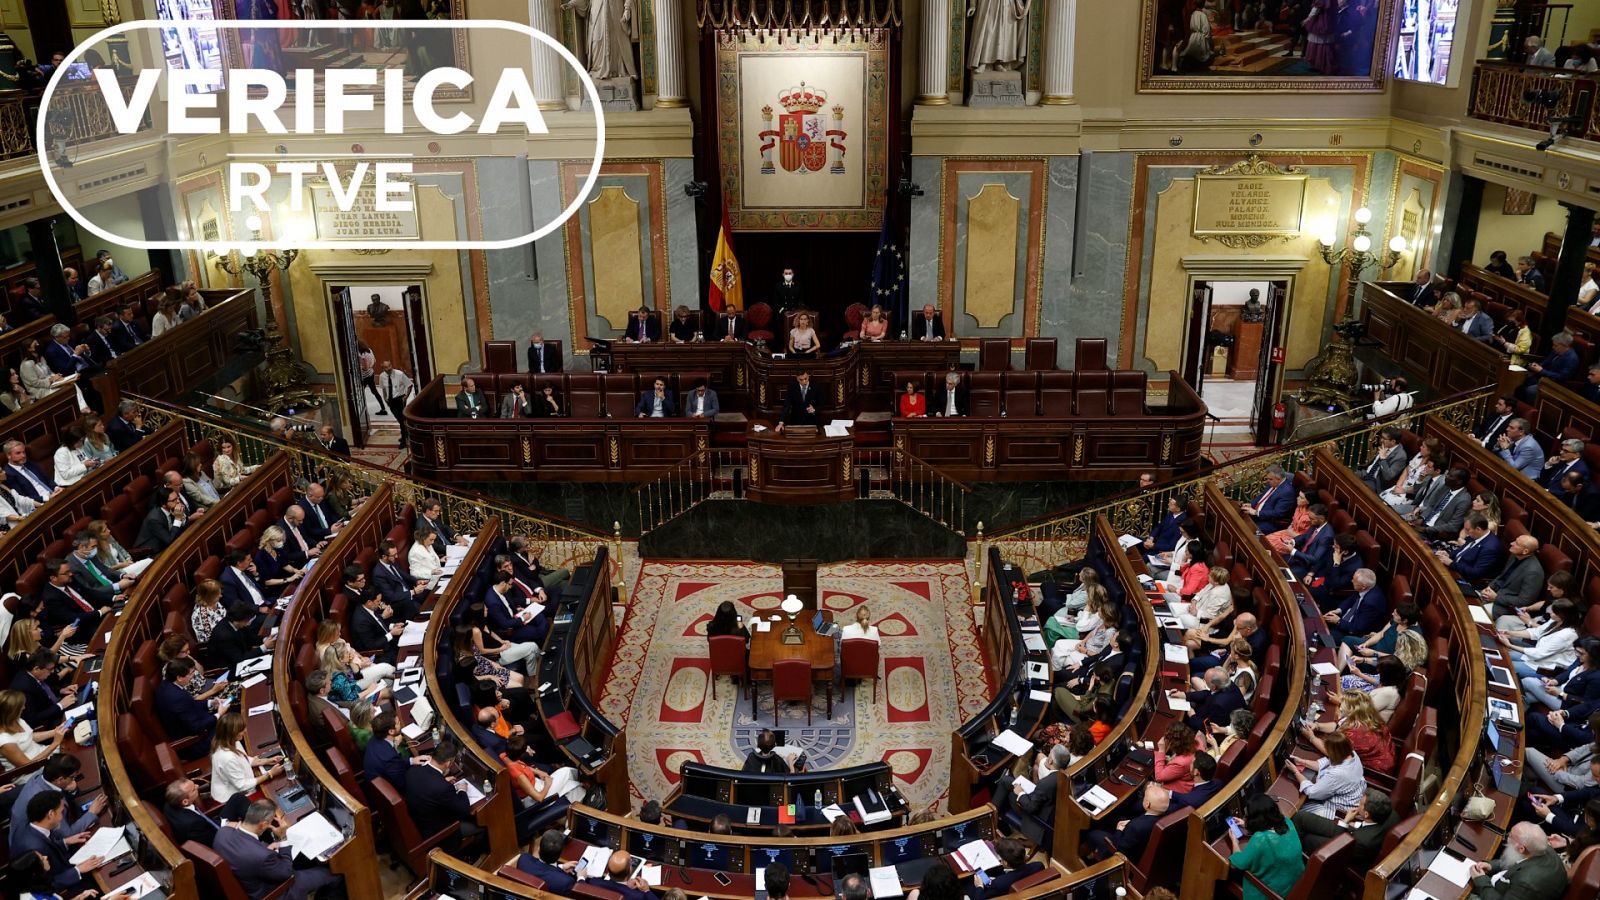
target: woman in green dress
1272 851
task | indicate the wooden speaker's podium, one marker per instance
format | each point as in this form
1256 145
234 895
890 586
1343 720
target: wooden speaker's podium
800 466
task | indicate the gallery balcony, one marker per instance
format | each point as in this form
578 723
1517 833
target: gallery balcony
1500 92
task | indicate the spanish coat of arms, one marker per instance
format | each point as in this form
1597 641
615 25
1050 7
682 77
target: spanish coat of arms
802 137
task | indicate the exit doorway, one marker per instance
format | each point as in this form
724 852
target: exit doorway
1234 325
386 323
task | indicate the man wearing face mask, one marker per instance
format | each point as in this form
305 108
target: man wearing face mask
543 357
786 294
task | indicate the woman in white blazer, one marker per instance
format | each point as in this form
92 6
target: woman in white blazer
72 462
421 558
232 769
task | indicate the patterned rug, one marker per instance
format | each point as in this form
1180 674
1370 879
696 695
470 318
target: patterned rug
933 674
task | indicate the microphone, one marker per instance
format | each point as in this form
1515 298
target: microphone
1212 417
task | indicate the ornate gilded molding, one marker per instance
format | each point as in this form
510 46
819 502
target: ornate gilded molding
1252 166
1077 448
527 451
615 449
988 450
846 465
796 15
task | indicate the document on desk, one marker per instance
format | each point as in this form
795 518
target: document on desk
262 709
142 886
763 625
1451 868
103 843
651 873
836 429
1012 743
135 569
1096 800
252 681
413 732
1175 653
252 666
414 634
885 881
833 811
471 790
1479 614
1179 703
593 861
530 612
1129 540
1026 785
1043 696
977 855
313 837
1034 642
1323 668
455 553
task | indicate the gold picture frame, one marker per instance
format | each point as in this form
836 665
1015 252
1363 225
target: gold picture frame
1163 38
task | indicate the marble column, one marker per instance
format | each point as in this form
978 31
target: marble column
670 91
1060 20
549 71
933 87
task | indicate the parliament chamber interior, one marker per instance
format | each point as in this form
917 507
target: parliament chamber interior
840 448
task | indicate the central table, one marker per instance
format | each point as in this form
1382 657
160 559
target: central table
767 647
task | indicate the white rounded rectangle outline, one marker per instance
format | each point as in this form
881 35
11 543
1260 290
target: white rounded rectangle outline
593 175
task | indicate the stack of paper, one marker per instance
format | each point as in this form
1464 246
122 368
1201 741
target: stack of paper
975 855
1479 614
1012 743
833 811
1026 785
106 843
1128 540
1175 653
1323 668
1096 800
313 837
413 732
414 634
471 790
593 861
454 553
872 817
252 681
884 881
1453 869
1043 696
135 569
1034 642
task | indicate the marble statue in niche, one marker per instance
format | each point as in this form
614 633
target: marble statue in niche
998 36
613 28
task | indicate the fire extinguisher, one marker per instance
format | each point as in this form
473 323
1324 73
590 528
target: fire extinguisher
1279 414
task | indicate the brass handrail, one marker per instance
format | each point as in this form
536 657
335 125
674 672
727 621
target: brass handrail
561 543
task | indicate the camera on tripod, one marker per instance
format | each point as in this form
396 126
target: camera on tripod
1351 330
1386 385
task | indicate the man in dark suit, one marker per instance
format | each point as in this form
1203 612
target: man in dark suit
238 581
182 811
1442 516
433 511
1164 537
320 522
617 879
1569 458
543 357
1312 555
383 757
529 569
162 525
125 334
261 868
1344 563
59 773
1361 613
927 326
1560 365
102 349
318 706
547 866
656 403
31 305
1590 389
1245 627
43 706
1423 294
65 605
1368 825
24 477
330 441
1206 784
1529 274
101 589
643 326
299 546
800 403
483 732
1521 583
730 326
238 638
1040 801
181 714
127 427
1388 462
1015 867
433 801
374 630
502 611
764 759
1275 504
1489 430
400 589
950 400
45 813
1216 703
1482 556
1538 873
1133 834
63 357
787 293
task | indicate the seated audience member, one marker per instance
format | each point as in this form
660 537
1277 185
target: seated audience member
373 628
299 548
929 326
263 867
656 403
1038 798
127 427
183 716
1481 557
197 485
1553 639
617 879
173 481
424 564
726 620
1206 784
1340 780
353 677
275 576
182 811
1579 493
1312 555
1576 690
1211 609
643 327
1498 265
764 759
20 742
72 461
483 727
1362 612
516 404
701 401
1529 868
1561 364
1093 627
239 638
1406 616
861 628
1246 628
101 588
436 798
1078 696
1217 702
1014 866
46 694
320 522
682 329
59 773
1367 823
1401 493
239 579
1164 537
1426 493
24 477
226 470
388 754
63 604
1590 390
1240 722
1283 540
1519 583
402 591
36 834
209 610
1517 446
1474 322
433 516
533 783
163 524
912 404
510 618
525 561
1131 835
1569 458
1529 274
1440 516
233 769
543 861
1388 461
317 705
176 646
471 403
1272 849
1174 767
1275 505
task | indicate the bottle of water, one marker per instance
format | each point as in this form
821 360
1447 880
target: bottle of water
434 733
902 334
488 787
816 799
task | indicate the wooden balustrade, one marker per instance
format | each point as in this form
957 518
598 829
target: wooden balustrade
170 365
1430 351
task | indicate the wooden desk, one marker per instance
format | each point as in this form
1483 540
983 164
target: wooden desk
1432 351
800 467
767 647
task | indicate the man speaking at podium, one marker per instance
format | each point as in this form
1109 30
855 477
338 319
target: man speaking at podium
800 403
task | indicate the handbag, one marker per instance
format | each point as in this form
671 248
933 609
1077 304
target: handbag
1478 807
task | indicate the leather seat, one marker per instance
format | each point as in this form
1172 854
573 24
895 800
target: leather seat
405 844
1055 393
1039 354
983 394
1089 355
1127 393
621 395
583 395
994 355
500 356
1020 393
1093 396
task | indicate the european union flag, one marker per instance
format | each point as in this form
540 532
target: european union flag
890 289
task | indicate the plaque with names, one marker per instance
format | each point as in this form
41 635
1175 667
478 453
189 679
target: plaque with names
1238 205
364 221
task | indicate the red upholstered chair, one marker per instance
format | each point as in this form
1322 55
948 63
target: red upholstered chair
621 395
216 877
499 356
1021 393
405 843
515 874
994 355
583 395
853 316
858 658
791 680
1090 355
585 889
1585 877
758 323
729 657
1093 396
1039 354
1127 393
1055 394
983 394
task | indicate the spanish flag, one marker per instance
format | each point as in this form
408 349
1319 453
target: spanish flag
727 285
